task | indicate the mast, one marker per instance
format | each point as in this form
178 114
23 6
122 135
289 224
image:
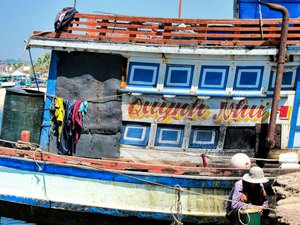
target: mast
179 8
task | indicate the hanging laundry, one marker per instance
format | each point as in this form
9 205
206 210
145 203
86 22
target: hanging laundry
76 121
59 116
67 145
69 116
83 109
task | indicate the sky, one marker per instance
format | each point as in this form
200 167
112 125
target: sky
19 18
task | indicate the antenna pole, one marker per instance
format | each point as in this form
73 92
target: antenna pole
75 4
179 8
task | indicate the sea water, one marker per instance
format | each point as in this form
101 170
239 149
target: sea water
11 221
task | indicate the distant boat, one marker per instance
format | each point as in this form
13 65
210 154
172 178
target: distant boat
6 81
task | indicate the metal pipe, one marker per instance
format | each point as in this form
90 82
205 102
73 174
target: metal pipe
270 140
180 9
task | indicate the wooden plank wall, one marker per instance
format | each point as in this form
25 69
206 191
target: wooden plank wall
223 32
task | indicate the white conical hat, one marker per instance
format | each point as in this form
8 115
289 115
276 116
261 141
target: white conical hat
255 175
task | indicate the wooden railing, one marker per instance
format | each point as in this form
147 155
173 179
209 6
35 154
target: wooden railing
147 30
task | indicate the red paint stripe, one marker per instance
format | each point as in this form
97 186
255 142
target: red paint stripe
187 168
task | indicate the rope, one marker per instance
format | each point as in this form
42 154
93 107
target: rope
91 100
178 207
155 183
33 145
239 217
176 187
27 145
34 159
7 141
252 158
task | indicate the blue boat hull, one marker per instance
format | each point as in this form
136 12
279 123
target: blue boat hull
112 192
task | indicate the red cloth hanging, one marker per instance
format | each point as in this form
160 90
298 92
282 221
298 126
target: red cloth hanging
76 121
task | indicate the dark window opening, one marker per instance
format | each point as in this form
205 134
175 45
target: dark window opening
240 138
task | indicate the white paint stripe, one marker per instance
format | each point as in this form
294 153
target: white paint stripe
108 194
123 48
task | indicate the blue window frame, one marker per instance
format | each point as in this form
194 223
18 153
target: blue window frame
135 133
169 135
179 76
213 77
248 78
204 137
288 80
142 74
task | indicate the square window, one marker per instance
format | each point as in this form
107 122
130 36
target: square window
248 78
135 133
240 138
169 135
142 74
179 76
213 77
204 137
288 80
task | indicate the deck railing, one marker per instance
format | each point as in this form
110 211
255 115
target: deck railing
164 31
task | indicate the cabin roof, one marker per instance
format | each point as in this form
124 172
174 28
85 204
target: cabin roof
168 33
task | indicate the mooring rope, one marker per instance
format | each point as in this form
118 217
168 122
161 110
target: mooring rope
178 207
27 145
176 187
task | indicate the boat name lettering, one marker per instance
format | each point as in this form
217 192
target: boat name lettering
228 112
168 111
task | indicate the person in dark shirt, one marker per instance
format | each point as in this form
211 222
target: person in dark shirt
247 193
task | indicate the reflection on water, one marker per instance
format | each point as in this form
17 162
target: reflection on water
10 221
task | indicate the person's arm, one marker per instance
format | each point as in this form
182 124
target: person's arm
238 197
266 203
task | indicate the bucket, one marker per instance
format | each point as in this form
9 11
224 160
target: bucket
249 217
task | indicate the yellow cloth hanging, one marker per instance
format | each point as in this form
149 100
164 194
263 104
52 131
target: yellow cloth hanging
59 116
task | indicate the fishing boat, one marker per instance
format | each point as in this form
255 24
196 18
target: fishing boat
169 102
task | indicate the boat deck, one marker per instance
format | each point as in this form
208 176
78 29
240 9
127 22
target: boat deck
214 168
170 31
